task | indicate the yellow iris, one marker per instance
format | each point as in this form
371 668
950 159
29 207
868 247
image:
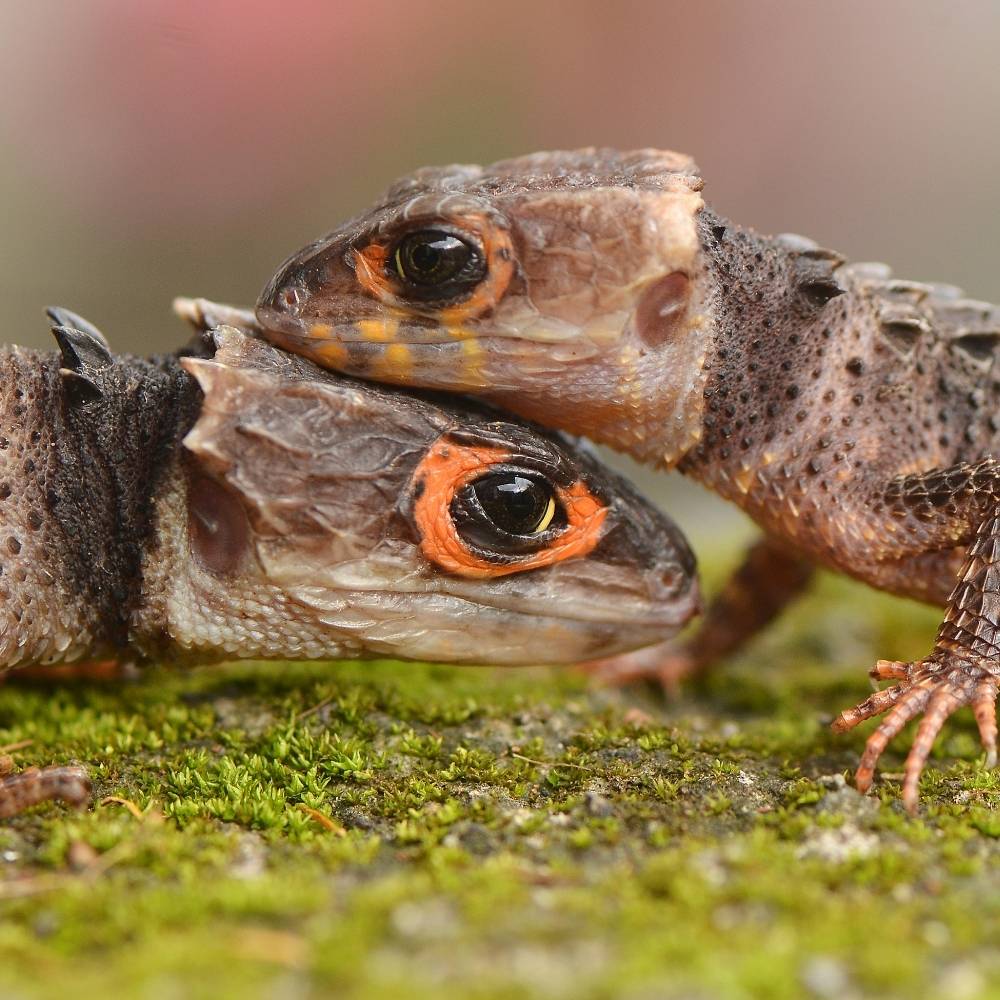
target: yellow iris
550 512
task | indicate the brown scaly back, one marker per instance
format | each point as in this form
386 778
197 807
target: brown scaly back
579 169
826 379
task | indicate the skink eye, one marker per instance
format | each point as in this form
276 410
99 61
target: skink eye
507 512
480 513
453 269
437 265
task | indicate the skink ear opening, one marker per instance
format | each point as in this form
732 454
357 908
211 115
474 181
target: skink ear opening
218 528
662 309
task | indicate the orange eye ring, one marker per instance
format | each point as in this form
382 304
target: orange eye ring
375 275
449 466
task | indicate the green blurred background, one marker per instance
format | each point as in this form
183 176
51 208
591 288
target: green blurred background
179 147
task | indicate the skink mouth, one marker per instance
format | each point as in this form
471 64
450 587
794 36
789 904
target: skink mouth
386 327
274 319
502 634
638 609
661 609
377 331
667 617
430 357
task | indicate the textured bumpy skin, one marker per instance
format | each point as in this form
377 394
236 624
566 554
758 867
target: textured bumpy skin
79 471
236 501
851 414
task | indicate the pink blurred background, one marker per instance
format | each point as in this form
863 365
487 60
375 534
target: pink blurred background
179 147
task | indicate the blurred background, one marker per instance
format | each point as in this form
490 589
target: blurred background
185 147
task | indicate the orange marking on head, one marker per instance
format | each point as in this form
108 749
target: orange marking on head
449 466
330 354
383 329
320 331
395 361
473 356
371 265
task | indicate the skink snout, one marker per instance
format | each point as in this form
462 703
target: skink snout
289 302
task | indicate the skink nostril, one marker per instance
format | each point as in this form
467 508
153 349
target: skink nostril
673 580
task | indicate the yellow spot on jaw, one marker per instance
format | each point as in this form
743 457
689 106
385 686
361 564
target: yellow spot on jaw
320 331
395 362
379 330
473 358
331 354
458 332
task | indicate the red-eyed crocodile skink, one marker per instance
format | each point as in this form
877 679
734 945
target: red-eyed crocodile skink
236 501
853 415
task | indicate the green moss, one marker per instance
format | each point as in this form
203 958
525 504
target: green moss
381 830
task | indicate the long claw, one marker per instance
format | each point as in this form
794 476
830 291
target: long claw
873 705
984 707
890 670
909 704
942 704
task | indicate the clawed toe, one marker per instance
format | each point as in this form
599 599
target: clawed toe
939 706
937 686
889 670
873 705
906 702
984 707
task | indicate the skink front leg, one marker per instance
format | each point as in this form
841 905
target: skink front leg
770 577
964 666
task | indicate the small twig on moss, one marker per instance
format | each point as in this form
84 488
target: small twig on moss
324 821
127 803
19 888
548 763
19 745
305 713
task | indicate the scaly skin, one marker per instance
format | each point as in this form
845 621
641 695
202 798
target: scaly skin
234 501
848 413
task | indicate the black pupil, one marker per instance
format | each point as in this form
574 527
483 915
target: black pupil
514 503
432 257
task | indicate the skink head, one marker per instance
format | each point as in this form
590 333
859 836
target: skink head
560 285
328 517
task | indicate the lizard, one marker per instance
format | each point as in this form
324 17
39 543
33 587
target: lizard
851 414
234 501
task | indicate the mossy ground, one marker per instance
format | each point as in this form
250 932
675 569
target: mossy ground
391 830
